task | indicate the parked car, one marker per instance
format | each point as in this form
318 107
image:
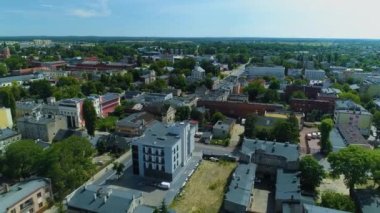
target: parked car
164 185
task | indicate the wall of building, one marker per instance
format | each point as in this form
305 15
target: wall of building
6 118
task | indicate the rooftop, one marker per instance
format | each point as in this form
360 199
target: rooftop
344 105
136 119
7 133
319 209
19 191
286 150
16 78
368 200
352 135
241 185
288 186
160 135
95 198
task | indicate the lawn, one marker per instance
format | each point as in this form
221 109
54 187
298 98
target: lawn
205 190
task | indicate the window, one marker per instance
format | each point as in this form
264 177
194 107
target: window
39 194
40 205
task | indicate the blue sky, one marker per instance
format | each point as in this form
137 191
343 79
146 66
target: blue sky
192 18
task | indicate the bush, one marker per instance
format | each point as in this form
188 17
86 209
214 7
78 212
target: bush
337 201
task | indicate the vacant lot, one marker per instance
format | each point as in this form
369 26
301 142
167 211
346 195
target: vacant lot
205 190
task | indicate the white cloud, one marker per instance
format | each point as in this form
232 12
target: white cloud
96 8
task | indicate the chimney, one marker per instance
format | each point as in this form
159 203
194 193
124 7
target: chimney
104 199
6 188
95 196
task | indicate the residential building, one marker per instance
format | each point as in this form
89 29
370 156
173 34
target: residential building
311 92
288 188
7 137
315 75
97 199
270 156
310 105
223 128
26 196
149 77
134 125
41 127
5 118
162 111
349 113
352 136
163 150
5 53
19 80
108 103
26 108
258 72
308 208
239 195
198 73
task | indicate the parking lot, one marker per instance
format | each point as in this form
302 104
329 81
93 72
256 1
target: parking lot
310 146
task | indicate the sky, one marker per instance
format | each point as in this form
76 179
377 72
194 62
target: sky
192 18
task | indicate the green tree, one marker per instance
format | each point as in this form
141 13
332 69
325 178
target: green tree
271 96
15 62
312 173
298 95
3 69
182 113
294 127
254 89
106 124
197 115
41 89
274 84
376 119
337 201
7 100
89 115
325 128
350 96
217 116
118 168
249 126
22 159
282 131
354 162
67 81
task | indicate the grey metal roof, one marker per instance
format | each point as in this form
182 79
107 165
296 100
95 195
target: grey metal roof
289 151
368 200
7 133
278 72
287 186
224 124
348 105
143 209
336 140
107 199
315 74
19 191
241 185
136 120
16 78
319 209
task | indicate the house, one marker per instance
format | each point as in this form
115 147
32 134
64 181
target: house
163 150
41 127
198 73
238 197
148 77
26 108
270 156
7 137
97 199
72 110
288 188
134 124
6 120
223 128
352 136
27 196
164 112
349 113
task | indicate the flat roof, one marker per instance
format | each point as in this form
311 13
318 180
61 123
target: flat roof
288 186
7 133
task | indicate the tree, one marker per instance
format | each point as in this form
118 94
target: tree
254 89
282 131
7 100
67 81
41 89
294 127
68 164
354 162
217 116
15 62
274 84
271 96
250 130
337 201
106 124
182 113
298 95
89 115
3 69
376 119
118 168
21 159
197 115
312 173
350 96
325 128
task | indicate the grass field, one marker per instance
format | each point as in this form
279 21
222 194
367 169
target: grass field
205 190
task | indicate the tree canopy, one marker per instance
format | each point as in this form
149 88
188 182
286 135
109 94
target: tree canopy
325 128
312 173
89 115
